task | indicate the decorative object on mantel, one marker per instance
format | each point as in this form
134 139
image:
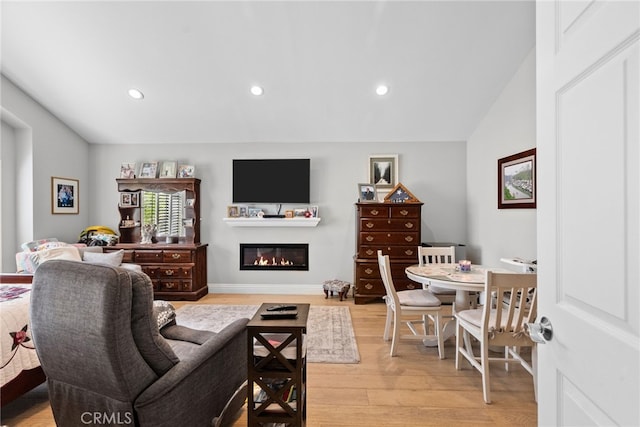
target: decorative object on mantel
148 231
400 194
517 181
383 171
65 195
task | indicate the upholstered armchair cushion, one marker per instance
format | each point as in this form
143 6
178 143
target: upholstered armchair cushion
144 326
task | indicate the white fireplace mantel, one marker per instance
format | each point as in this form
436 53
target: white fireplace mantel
271 222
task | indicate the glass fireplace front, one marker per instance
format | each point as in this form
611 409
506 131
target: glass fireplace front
274 256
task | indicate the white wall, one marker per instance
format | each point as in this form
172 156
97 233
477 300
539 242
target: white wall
508 128
47 148
455 180
433 171
7 205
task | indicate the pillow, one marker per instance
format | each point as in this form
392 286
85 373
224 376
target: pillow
164 312
51 245
26 262
113 259
32 246
66 252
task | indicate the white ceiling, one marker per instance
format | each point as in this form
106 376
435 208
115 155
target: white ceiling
318 61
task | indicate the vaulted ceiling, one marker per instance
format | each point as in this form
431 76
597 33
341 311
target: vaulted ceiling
319 63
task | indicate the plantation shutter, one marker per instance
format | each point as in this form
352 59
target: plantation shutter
164 210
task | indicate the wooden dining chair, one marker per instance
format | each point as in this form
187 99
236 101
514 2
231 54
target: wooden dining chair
439 255
510 302
410 303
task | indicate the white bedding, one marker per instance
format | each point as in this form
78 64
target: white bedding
16 345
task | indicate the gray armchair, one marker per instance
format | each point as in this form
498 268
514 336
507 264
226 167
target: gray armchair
106 362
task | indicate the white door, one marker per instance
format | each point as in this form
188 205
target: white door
588 211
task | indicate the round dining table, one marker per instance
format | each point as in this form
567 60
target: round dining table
449 276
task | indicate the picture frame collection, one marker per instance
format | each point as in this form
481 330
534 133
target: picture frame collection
245 211
384 185
169 169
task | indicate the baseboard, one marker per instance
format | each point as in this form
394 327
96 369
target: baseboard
278 289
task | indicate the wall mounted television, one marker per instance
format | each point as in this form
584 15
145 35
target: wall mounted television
271 180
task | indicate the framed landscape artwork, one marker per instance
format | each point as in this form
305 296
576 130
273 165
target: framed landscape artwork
65 195
383 171
517 181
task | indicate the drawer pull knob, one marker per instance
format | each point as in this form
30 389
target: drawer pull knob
411 286
169 272
375 212
370 225
368 286
408 252
170 285
404 212
368 270
369 238
175 256
408 239
369 252
408 225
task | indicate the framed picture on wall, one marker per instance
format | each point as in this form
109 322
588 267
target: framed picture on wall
383 171
65 195
517 181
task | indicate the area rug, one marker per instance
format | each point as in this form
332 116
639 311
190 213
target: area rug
330 336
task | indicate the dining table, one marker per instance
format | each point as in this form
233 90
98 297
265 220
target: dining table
449 276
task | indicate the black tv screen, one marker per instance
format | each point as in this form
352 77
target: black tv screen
271 181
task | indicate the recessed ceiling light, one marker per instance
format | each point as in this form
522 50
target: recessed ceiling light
382 90
257 90
135 94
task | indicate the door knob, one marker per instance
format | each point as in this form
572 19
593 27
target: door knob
540 332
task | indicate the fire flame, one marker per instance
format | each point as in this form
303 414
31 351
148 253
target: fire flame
265 261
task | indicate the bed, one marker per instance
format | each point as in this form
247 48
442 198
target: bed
20 369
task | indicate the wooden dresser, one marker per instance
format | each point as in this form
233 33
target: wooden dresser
177 271
395 229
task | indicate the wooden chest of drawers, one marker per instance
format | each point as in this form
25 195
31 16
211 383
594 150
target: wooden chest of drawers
394 229
178 272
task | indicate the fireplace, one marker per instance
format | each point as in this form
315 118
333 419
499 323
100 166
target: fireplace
274 256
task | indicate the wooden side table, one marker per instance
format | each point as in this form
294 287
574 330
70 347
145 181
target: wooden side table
277 366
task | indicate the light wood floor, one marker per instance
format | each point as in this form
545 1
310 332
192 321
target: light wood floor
413 389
